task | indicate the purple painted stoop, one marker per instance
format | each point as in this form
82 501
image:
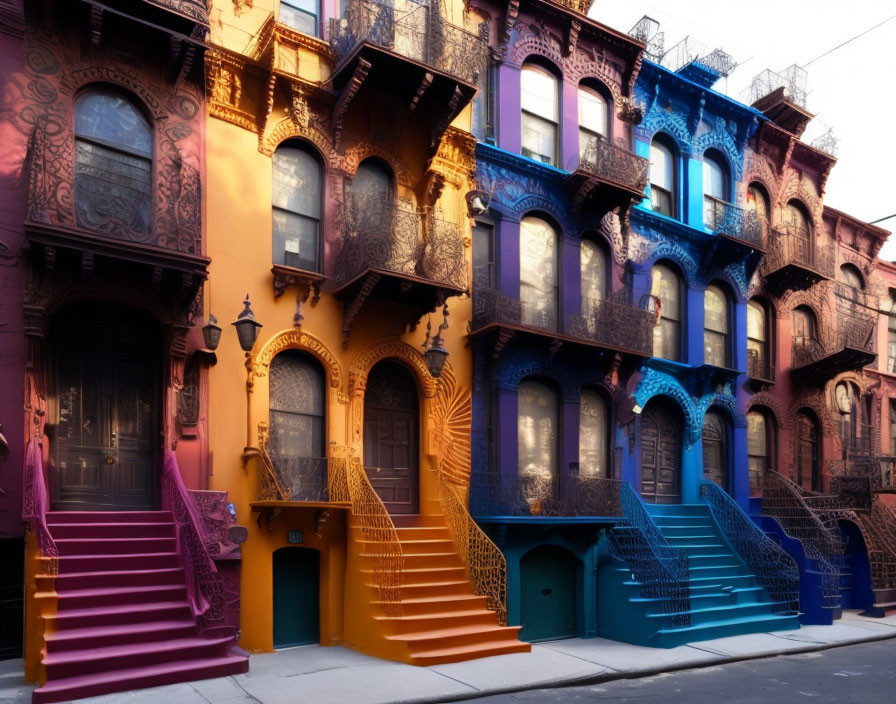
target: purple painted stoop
123 620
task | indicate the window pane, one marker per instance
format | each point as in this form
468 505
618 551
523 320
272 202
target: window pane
757 450
113 190
851 277
667 335
661 165
592 111
715 348
539 93
803 324
715 461
297 181
715 306
539 139
297 406
713 179
372 178
537 429
756 320
113 119
300 15
661 200
756 201
593 262
592 435
538 273
295 240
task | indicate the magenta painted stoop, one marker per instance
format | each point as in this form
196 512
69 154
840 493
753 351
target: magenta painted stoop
123 620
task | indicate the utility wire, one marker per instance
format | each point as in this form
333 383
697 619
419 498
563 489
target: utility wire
829 51
874 222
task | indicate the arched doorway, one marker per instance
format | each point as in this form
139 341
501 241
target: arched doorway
391 426
808 462
296 597
715 449
106 389
548 594
661 453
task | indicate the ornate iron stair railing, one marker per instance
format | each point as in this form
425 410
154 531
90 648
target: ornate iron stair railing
35 502
773 567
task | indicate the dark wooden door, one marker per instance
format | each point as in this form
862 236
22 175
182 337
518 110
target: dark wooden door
660 455
548 591
107 430
390 436
296 597
807 453
715 450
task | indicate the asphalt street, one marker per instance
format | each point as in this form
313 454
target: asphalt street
863 673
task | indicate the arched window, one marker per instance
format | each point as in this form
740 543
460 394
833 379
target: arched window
537 430
593 425
662 178
298 176
715 448
113 164
297 429
759 350
716 326
808 451
805 335
593 267
301 15
855 419
760 449
538 273
796 222
715 190
851 283
540 113
667 294
592 122
758 209
373 177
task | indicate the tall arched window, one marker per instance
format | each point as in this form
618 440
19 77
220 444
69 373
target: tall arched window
667 292
716 326
297 430
538 273
592 122
715 189
715 448
797 224
593 435
852 285
662 178
855 419
301 15
593 267
296 207
758 207
760 447
373 177
808 451
113 164
759 355
540 104
538 412
805 335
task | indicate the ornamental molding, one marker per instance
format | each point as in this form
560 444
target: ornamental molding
354 155
814 402
666 121
514 371
654 383
721 138
288 128
455 157
378 351
225 76
260 363
765 401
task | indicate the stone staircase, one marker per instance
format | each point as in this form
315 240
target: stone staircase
116 617
441 620
725 598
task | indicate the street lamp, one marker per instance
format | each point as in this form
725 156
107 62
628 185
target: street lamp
434 352
211 333
247 326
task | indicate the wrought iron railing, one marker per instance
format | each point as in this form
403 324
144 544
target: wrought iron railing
196 10
851 298
35 503
394 236
615 321
773 567
877 470
879 532
789 245
205 586
661 569
495 494
604 160
724 218
821 540
855 330
382 545
485 563
417 31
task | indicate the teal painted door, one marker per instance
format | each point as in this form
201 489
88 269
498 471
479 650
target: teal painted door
296 597
548 592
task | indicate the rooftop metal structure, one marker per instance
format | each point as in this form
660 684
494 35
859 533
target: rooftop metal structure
792 79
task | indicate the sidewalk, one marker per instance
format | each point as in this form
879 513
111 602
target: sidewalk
324 675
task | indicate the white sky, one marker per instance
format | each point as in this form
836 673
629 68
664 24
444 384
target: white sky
852 90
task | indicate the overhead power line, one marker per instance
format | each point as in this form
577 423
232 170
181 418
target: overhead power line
829 51
874 222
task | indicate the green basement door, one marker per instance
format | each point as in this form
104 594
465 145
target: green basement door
296 597
548 576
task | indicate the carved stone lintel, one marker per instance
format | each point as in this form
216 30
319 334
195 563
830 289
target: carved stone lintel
513 9
299 112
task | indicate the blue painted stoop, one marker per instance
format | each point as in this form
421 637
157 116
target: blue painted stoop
726 599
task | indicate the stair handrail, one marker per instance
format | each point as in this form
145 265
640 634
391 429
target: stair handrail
378 529
269 486
35 502
205 586
788 507
485 563
661 569
880 523
773 567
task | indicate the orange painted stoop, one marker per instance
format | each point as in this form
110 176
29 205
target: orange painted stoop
441 620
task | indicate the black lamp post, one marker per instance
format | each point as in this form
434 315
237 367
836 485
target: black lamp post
434 352
247 326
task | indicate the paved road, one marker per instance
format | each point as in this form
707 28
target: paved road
864 674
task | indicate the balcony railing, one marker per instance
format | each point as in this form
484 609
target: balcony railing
792 246
417 31
394 237
854 331
493 494
880 470
759 366
724 218
607 162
